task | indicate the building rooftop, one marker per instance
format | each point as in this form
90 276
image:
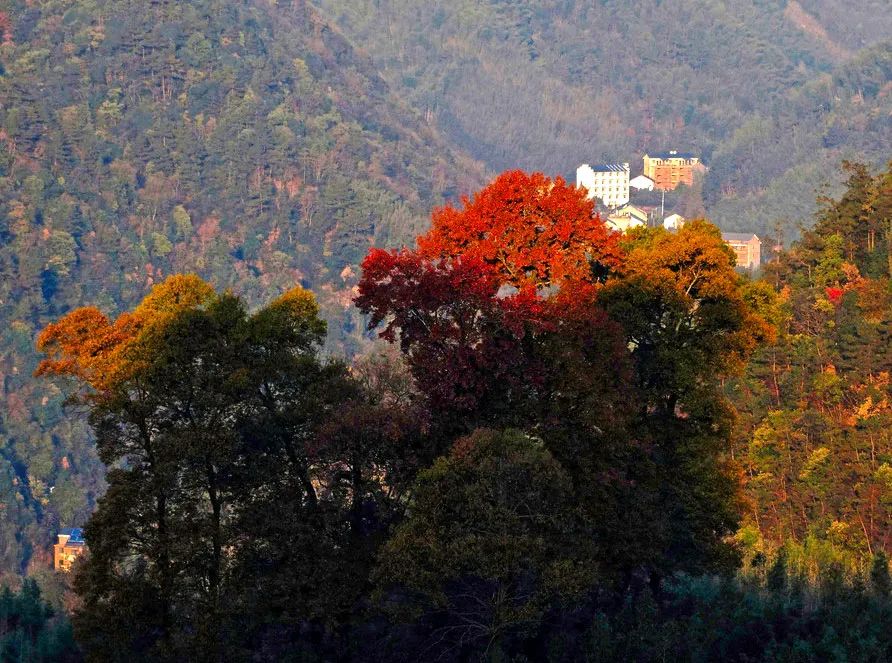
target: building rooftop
633 210
75 535
671 154
738 237
610 167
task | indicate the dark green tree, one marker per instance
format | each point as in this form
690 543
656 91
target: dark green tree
31 631
688 324
226 522
493 538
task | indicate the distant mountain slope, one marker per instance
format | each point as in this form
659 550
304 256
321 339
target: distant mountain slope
854 23
772 167
246 141
805 21
544 84
761 88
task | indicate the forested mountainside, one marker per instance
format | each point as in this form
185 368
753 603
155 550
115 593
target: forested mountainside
254 144
853 25
244 141
813 435
769 95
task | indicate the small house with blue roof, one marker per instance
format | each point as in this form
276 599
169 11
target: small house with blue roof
69 547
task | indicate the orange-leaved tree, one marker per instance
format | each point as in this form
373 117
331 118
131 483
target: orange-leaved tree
688 324
533 231
682 305
84 344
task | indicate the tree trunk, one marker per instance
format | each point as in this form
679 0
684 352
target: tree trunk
889 245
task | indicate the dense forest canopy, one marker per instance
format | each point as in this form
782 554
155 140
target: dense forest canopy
813 436
556 440
549 464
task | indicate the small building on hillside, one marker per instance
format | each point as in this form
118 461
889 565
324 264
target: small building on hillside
608 182
747 247
69 547
672 168
635 212
627 217
673 222
642 183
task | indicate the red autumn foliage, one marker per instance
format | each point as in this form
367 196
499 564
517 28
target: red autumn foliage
834 294
458 335
529 229
474 350
209 229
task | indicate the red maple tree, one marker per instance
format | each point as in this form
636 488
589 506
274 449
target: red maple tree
459 337
529 229
475 350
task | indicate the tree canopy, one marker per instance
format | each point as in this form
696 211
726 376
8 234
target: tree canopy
531 230
532 471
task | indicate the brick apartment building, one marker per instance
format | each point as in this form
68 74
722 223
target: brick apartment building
669 169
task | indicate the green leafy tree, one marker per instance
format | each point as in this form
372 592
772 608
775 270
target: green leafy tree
220 503
688 324
493 538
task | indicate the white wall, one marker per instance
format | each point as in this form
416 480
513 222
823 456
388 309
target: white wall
610 187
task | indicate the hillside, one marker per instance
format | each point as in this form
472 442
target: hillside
854 25
771 96
244 141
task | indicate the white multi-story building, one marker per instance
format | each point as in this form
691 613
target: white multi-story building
608 182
